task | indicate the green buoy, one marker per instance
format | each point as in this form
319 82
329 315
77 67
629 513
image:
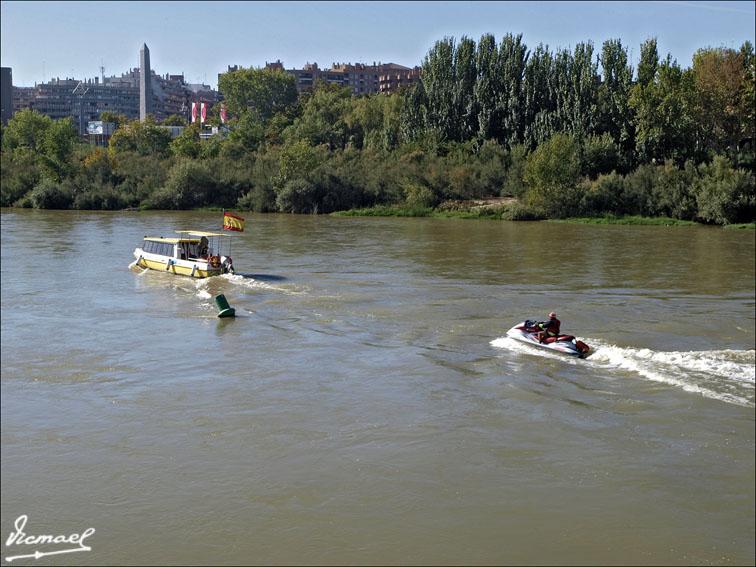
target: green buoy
225 309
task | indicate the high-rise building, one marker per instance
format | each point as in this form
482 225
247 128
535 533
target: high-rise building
6 94
145 84
130 94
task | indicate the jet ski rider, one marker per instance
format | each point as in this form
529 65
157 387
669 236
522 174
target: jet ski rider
549 329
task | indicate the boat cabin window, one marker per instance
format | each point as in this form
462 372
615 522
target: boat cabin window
162 248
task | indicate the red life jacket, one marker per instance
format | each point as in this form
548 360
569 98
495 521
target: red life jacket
552 327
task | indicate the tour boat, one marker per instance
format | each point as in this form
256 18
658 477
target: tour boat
194 253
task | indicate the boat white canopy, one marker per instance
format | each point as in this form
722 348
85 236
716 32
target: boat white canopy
201 233
170 240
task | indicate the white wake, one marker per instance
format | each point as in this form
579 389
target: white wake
256 284
726 375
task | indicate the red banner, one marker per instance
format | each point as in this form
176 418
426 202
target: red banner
194 112
203 112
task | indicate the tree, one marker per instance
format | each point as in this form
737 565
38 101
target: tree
413 113
364 120
538 93
298 160
464 97
323 117
117 119
511 61
615 116
747 101
28 128
46 142
664 122
551 174
188 143
581 101
189 184
487 87
649 62
439 82
59 141
144 138
263 92
247 131
725 195
174 120
720 76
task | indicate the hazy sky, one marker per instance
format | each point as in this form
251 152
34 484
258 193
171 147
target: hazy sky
41 40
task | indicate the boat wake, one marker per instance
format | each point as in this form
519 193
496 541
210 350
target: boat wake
257 284
725 375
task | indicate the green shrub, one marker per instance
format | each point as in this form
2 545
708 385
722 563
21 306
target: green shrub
725 195
261 199
552 172
522 212
297 196
50 195
104 198
139 176
637 198
190 184
419 196
514 179
19 174
600 155
604 195
673 192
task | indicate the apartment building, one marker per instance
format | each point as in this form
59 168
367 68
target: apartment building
398 78
362 79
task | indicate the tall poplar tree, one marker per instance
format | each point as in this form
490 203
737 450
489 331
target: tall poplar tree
539 103
511 62
615 116
465 71
439 80
487 86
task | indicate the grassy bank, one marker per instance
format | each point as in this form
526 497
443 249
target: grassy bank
400 211
633 220
741 226
509 213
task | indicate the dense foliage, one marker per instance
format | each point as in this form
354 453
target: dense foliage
565 133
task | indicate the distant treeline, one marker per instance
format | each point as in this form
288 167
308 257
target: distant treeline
568 133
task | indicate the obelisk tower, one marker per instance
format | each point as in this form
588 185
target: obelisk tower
145 88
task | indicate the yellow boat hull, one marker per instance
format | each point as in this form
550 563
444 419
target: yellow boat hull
176 269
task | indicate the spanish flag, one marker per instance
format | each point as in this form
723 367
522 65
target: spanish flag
233 222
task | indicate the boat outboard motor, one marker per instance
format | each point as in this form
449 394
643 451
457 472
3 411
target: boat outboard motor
228 265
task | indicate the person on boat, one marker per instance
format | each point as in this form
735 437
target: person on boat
203 248
549 330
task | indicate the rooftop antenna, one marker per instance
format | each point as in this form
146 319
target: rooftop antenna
102 71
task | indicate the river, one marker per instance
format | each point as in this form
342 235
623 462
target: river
365 405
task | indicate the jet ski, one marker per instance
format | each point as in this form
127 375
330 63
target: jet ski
527 332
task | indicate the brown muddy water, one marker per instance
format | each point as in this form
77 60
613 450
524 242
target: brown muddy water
365 406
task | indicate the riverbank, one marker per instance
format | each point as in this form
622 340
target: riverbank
511 209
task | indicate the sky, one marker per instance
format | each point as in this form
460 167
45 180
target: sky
43 40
